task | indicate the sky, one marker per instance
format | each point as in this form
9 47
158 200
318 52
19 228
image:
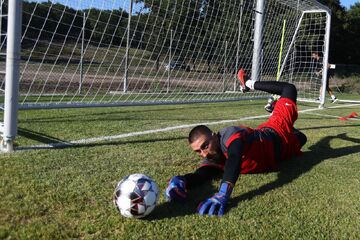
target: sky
99 4
348 3
124 4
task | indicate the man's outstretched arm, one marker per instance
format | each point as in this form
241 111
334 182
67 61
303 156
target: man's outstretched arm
217 203
179 185
202 175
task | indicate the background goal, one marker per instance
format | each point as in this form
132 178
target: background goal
124 52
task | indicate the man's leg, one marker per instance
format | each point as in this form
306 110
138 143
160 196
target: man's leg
284 115
300 136
286 90
332 95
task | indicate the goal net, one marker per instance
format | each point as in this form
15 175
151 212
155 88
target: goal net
123 52
77 53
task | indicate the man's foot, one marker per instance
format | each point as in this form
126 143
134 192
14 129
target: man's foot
242 79
269 107
334 100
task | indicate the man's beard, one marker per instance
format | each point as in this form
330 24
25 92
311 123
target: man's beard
216 157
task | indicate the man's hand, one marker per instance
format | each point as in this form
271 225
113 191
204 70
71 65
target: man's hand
176 190
217 203
319 73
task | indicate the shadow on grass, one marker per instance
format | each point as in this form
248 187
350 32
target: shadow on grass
289 171
40 137
174 209
329 126
55 143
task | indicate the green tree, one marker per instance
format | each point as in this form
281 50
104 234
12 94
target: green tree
111 27
154 27
352 27
337 32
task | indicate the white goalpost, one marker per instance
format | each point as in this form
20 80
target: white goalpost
11 74
92 53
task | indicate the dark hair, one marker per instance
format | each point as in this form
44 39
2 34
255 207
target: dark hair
317 53
198 131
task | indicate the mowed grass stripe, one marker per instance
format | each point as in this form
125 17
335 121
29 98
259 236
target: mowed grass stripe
166 129
67 193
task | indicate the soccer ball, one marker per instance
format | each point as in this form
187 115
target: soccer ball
136 196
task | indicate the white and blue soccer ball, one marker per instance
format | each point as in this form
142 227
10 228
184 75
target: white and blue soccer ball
136 196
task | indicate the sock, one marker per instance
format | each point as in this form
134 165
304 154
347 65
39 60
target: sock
250 84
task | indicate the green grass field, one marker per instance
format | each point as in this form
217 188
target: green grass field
62 193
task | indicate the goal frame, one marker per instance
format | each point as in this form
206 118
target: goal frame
12 76
325 58
8 127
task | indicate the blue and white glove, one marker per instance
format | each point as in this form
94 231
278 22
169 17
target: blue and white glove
176 190
217 203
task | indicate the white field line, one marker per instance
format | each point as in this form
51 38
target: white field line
331 116
349 101
125 135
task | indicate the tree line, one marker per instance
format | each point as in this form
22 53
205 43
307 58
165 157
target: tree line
345 32
68 22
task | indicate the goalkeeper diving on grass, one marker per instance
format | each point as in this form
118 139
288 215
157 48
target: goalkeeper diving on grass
239 150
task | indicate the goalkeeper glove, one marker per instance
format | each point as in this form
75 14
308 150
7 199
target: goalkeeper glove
217 203
176 189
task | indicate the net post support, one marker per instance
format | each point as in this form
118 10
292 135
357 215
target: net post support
237 67
126 74
12 76
82 54
169 63
258 32
225 66
325 60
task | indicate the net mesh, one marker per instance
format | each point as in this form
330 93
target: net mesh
127 52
